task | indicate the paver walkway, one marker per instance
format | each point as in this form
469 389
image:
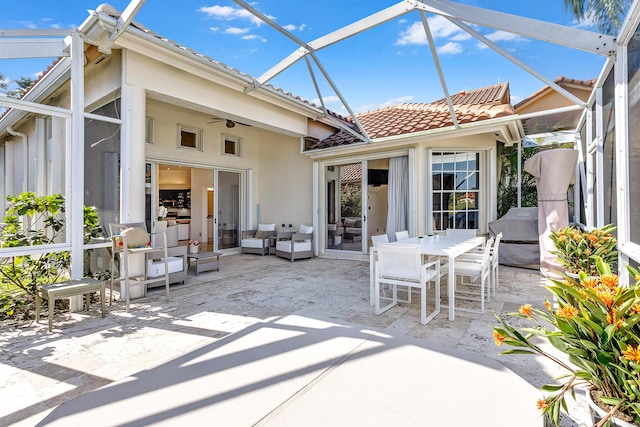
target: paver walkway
247 297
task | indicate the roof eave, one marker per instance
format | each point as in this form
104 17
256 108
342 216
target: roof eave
107 23
506 129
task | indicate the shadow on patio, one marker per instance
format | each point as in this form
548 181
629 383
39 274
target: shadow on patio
269 341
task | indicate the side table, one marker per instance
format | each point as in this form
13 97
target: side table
205 261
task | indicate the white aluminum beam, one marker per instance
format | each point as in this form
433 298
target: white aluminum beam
34 107
35 32
126 18
357 27
11 48
571 97
600 44
311 52
436 61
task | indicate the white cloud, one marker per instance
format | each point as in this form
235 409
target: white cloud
331 99
443 28
229 13
412 35
214 29
440 28
503 36
236 30
450 48
292 27
254 37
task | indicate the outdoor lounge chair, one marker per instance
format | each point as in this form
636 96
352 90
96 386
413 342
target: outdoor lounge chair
295 245
257 241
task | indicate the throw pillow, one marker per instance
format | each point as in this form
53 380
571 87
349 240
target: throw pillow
136 237
259 234
307 229
266 227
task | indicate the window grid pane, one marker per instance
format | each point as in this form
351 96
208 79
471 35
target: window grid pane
456 195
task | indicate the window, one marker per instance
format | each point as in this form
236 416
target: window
456 190
148 131
231 145
189 137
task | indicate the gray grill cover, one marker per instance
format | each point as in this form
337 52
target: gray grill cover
520 242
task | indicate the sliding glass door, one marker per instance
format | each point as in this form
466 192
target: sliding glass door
227 209
346 204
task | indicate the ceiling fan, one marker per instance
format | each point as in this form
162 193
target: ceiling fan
228 122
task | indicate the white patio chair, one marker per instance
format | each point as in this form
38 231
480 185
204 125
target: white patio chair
401 235
383 238
461 232
493 259
479 270
402 265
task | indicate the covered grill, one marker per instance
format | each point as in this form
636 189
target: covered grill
520 244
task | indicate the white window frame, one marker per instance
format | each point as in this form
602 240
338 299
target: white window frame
483 195
199 136
235 139
148 130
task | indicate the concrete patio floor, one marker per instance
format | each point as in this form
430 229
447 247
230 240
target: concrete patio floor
253 311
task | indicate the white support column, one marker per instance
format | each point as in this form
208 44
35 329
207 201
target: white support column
40 142
598 167
3 172
249 224
57 167
316 209
75 174
132 154
413 208
622 156
9 164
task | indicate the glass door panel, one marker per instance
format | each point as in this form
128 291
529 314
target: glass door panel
344 186
227 213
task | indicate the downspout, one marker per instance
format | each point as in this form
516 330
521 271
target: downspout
25 157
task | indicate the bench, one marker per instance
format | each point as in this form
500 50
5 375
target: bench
67 289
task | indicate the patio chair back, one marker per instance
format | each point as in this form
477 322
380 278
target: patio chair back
401 235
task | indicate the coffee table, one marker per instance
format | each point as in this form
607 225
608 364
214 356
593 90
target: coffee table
205 261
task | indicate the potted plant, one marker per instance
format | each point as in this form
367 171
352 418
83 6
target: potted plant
577 249
194 246
594 321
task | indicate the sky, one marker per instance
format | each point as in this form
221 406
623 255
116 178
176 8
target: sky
386 65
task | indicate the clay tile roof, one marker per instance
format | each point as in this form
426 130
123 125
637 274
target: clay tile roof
470 106
561 81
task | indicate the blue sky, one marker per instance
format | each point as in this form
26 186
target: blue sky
386 65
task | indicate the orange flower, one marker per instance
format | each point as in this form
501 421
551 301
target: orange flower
635 309
525 310
609 280
542 404
567 311
632 354
611 319
498 338
547 304
605 295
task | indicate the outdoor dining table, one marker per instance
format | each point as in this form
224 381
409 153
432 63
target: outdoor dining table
443 246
